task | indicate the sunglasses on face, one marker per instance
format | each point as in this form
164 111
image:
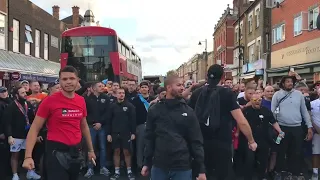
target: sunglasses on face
256 99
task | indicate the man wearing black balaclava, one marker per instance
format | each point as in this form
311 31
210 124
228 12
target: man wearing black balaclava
216 107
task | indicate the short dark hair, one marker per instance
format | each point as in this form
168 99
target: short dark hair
15 90
227 79
95 83
121 88
69 69
169 80
144 83
34 81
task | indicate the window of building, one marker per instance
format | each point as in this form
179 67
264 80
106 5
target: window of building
251 53
28 39
15 36
2 31
241 30
37 44
313 14
257 17
297 25
258 47
278 34
46 47
237 34
250 23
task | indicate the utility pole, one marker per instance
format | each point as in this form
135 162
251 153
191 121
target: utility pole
239 44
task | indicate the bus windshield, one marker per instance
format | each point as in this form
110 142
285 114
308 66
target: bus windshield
90 56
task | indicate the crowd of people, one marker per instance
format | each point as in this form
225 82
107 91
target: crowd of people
178 131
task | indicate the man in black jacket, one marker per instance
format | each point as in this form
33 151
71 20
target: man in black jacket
173 137
4 149
97 108
19 116
121 129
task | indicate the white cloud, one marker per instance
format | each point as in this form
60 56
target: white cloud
165 33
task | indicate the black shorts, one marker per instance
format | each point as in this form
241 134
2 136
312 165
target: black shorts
121 141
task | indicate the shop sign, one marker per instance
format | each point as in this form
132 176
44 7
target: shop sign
251 67
6 76
15 76
30 77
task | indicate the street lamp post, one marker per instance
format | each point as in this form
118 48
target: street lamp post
205 51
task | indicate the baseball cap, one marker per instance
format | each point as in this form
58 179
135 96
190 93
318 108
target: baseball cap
215 72
3 89
24 81
52 84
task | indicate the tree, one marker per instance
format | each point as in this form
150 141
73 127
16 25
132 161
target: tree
171 72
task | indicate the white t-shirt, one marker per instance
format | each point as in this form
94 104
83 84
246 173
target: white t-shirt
240 95
315 111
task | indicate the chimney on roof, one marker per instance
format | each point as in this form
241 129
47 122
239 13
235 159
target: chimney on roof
55 11
75 16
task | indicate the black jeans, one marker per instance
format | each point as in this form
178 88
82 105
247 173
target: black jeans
218 156
261 156
5 166
55 171
290 147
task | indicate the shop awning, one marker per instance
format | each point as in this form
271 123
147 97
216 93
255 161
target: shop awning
248 76
16 62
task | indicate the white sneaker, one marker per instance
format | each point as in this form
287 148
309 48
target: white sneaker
15 177
33 175
89 173
105 171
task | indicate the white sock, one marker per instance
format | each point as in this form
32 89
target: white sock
15 174
129 170
117 170
315 170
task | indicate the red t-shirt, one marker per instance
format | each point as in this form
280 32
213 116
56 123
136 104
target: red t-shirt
64 117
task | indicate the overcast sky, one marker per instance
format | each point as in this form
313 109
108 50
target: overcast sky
164 33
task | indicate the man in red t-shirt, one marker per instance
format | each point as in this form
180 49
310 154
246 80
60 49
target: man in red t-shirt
65 115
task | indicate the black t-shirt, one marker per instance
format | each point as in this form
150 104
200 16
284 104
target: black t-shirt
242 101
308 104
259 120
228 103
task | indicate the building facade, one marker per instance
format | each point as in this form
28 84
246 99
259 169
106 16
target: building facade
29 38
223 40
210 59
252 44
295 39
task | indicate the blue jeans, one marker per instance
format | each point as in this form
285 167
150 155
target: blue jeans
160 174
102 140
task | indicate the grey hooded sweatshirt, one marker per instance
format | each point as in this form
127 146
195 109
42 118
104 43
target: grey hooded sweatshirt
292 111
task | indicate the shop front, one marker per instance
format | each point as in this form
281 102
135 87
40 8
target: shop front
254 70
16 67
303 58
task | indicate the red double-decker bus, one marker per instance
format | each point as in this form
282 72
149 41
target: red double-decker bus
98 53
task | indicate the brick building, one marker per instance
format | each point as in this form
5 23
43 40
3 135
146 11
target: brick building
31 38
295 39
223 40
251 32
3 24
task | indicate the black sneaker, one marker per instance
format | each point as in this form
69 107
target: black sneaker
115 177
131 176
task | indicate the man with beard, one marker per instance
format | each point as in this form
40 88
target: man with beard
65 113
173 137
216 107
289 108
131 92
19 116
4 149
